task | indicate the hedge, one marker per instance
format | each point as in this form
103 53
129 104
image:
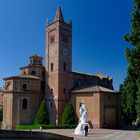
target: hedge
25 127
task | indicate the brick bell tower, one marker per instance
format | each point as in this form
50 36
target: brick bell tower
58 65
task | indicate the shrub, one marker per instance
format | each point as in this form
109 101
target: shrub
42 116
68 117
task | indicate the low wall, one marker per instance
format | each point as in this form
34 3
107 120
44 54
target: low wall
32 135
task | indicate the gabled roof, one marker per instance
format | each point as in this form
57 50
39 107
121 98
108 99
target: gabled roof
93 88
22 77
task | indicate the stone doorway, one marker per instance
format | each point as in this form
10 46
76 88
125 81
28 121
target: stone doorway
110 117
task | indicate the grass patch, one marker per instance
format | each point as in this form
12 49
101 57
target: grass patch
27 127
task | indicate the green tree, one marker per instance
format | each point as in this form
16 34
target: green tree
123 97
133 36
131 86
1 114
42 117
138 100
68 117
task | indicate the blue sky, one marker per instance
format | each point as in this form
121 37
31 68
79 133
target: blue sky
98 30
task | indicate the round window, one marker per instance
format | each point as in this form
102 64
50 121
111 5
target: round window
33 72
24 86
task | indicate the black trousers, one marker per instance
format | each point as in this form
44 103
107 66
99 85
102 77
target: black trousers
86 132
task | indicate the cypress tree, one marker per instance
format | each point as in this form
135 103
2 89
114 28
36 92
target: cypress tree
138 101
68 117
131 85
42 117
1 114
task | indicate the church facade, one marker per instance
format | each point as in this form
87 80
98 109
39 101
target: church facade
58 84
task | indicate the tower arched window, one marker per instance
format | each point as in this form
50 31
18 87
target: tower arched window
34 62
64 66
24 104
51 104
51 91
65 38
52 66
64 90
52 39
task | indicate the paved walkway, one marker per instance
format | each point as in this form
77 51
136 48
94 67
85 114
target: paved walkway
98 134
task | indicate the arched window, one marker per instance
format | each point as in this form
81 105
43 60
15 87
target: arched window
43 74
24 104
34 62
51 91
65 38
64 90
51 104
52 39
52 66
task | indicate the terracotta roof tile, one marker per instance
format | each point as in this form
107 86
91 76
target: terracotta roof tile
93 88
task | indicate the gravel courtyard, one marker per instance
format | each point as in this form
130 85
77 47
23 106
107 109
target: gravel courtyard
99 134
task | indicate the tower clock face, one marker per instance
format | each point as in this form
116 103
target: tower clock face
65 51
